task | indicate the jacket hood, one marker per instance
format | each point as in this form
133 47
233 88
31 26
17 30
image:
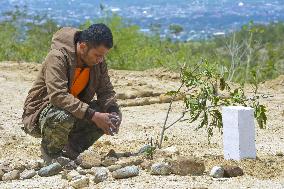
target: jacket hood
64 39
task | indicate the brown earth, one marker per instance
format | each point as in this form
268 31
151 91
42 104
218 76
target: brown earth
144 111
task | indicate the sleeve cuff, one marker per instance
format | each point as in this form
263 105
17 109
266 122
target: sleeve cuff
89 114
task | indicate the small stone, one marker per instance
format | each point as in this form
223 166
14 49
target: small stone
81 171
108 161
124 154
136 160
50 170
233 171
114 167
112 153
146 165
126 172
120 154
100 174
160 169
80 182
187 166
72 174
12 175
89 159
165 98
70 166
217 172
171 150
27 174
36 165
62 160
19 166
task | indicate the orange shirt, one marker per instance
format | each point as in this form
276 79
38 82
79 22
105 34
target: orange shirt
81 79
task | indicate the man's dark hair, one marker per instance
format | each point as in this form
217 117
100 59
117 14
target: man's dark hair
95 35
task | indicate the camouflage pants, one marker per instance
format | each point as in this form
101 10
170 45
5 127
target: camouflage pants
59 127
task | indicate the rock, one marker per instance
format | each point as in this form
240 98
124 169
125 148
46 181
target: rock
112 153
36 165
126 172
19 166
233 171
187 166
62 160
50 170
114 167
166 152
70 166
71 175
217 172
12 175
108 161
124 154
27 174
167 98
135 160
160 169
89 159
81 171
100 174
146 165
1 174
80 182
171 150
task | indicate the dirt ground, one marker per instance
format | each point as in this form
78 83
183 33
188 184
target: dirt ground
140 123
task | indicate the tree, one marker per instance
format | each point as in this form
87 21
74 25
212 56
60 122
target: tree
205 92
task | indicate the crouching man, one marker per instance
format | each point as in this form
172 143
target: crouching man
60 107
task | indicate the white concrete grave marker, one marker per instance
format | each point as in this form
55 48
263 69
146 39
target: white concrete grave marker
238 132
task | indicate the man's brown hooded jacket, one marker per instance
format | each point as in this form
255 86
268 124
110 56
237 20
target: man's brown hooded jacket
54 81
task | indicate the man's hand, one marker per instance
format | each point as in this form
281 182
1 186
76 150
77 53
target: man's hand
116 121
103 121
